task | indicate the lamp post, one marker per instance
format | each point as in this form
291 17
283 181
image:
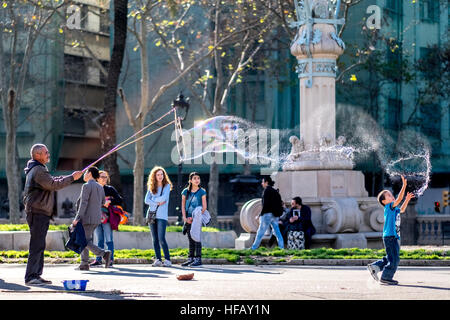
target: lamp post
180 103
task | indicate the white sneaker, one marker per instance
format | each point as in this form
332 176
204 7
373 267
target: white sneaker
35 282
167 263
157 263
373 269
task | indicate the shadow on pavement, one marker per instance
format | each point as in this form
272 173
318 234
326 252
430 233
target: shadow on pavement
46 289
12 286
128 272
423 287
206 268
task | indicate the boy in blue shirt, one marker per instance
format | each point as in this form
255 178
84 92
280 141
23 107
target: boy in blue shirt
391 234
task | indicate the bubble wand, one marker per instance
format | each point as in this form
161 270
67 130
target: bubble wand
124 144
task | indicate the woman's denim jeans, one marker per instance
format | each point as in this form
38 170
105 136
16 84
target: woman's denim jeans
104 233
158 230
390 262
265 221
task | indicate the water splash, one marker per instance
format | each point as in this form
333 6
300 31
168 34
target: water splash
211 139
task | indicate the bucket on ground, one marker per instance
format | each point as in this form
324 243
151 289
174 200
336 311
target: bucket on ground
77 285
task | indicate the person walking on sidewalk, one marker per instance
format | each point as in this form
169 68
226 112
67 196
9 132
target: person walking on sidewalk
39 207
104 231
272 209
391 235
157 198
89 206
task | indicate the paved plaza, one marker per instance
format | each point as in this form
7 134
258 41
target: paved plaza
227 282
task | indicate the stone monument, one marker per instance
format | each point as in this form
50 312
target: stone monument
319 167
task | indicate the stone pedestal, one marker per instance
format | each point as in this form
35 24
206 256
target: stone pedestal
320 183
244 241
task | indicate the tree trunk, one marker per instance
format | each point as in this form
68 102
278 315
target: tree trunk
138 191
11 159
213 192
108 125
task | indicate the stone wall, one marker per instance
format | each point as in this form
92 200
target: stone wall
19 240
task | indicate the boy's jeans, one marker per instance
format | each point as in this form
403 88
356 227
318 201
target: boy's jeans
265 221
104 233
390 262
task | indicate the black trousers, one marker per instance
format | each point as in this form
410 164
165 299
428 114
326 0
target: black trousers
195 248
38 224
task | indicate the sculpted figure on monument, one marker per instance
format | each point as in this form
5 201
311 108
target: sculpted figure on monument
320 9
298 146
326 141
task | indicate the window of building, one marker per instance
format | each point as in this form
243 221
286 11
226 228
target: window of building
429 10
429 62
74 122
430 124
23 123
84 70
393 5
393 115
104 21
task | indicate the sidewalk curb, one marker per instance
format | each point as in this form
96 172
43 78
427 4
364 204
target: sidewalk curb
255 261
302 262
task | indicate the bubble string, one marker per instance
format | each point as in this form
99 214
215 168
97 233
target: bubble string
124 144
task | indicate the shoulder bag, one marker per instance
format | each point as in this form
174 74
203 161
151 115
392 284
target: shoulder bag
151 215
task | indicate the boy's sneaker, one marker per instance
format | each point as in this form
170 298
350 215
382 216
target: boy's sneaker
157 263
197 262
373 269
167 263
188 262
388 282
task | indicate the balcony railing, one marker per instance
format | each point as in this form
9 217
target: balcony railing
430 229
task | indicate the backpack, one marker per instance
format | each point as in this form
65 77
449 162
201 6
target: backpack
278 209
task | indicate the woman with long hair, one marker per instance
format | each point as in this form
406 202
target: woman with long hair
192 197
157 198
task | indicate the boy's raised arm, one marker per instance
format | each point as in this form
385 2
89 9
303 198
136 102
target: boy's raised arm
402 192
409 196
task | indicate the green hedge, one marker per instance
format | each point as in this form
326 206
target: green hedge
248 256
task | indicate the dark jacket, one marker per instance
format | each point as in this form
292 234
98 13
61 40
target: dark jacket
304 223
115 197
39 188
271 202
77 239
116 200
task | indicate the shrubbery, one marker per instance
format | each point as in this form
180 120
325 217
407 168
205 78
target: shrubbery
247 256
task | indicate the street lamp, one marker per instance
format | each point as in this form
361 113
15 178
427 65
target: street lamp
180 103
